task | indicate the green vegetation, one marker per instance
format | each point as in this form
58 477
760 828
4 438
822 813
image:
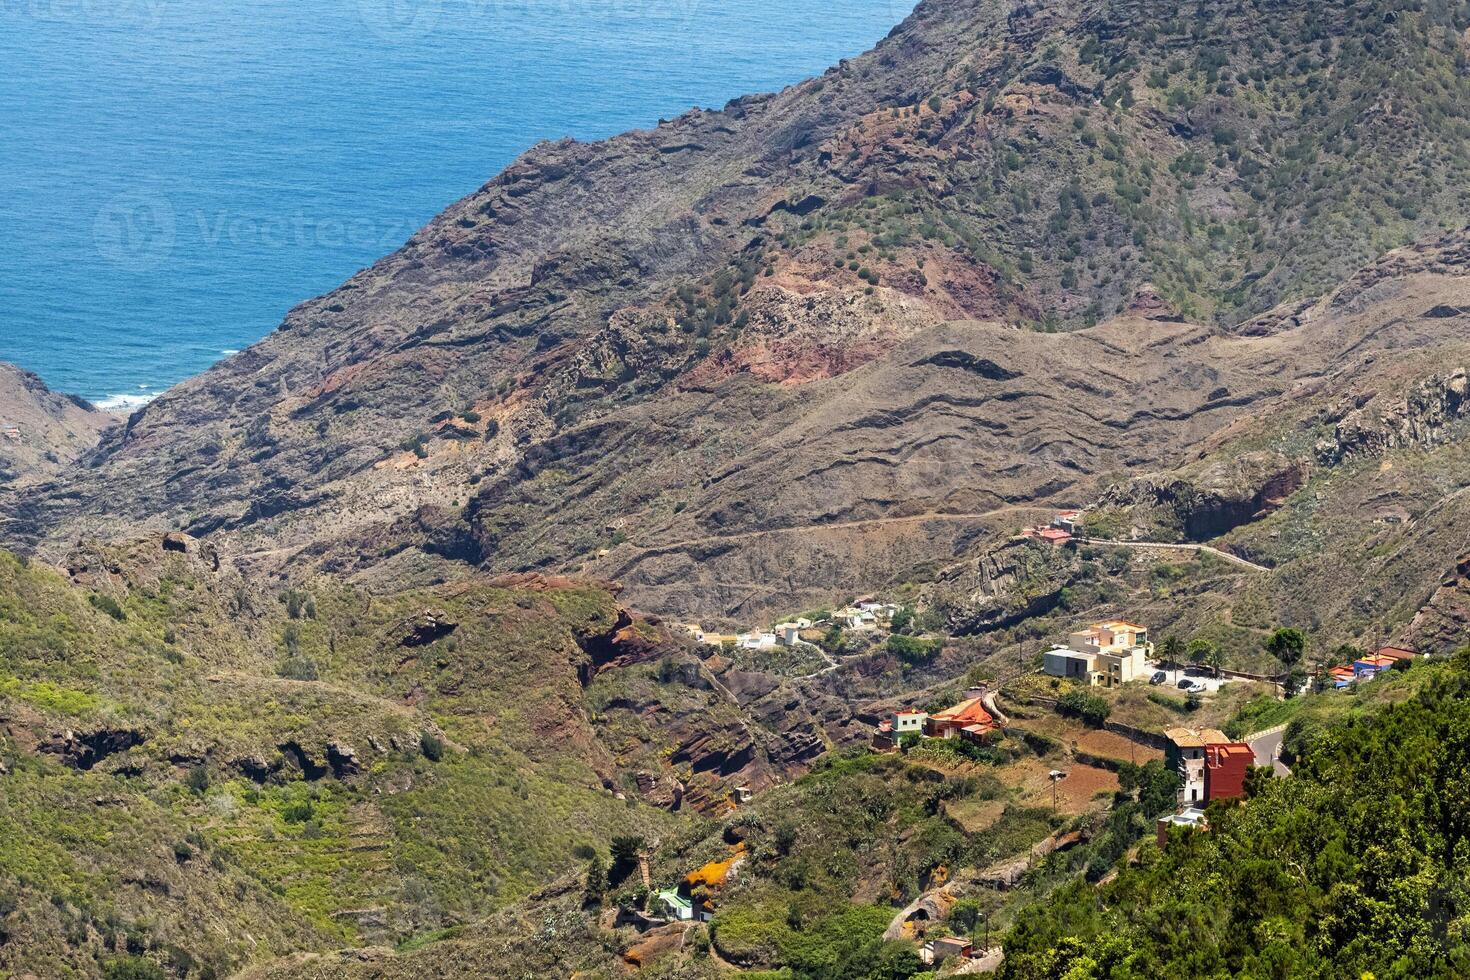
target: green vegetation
1091 708
913 651
210 776
1357 865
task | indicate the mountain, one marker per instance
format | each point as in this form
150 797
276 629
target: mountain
42 432
310 767
355 656
788 349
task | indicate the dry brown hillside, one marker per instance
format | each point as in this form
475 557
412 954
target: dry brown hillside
739 359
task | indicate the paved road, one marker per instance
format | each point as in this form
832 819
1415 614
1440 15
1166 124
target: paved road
1267 747
715 539
1234 559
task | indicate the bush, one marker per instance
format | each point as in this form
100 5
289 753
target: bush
432 746
297 668
298 811
107 604
1092 709
132 968
197 780
912 650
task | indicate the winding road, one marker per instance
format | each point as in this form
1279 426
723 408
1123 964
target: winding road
1234 559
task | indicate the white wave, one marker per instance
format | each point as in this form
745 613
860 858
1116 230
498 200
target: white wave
120 403
229 351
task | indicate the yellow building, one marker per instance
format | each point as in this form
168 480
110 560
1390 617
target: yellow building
1107 654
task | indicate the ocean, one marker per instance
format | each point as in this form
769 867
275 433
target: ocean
176 174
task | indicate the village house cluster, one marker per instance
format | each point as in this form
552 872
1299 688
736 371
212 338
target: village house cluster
1369 667
967 720
868 614
1063 528
1105 654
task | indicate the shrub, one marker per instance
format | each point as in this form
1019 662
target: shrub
913 650
197 780
432 746
107 604
298 811
1092 709
298 668
132 968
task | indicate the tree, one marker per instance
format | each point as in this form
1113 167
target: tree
625 851
1172 648
965 913
1296 679
596 884
1200 650
1159 788
1092 709
902 619
1215 659
1256 778
913 650
1288 645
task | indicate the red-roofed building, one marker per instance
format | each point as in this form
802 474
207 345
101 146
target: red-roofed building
1396 654
1225 767
1371 666
949 723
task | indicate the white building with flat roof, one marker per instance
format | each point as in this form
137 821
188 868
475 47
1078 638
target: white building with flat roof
1106 654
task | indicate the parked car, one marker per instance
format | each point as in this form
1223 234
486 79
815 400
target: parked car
1158 678
1195 687
1185 684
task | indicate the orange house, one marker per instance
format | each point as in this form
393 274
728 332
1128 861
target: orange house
951 722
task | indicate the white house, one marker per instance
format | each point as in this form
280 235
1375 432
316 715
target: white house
855 619
1109 654
788 634
673 905
1064 662
756 641
904 722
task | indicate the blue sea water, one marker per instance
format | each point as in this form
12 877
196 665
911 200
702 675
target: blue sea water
176 174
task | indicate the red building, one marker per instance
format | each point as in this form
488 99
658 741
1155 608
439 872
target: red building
969 713
1226 764
1396 654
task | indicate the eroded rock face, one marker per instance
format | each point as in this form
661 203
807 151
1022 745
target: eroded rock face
1442 622
984 593
796 314
83 750
425 628
1379 422
41 431
1224 496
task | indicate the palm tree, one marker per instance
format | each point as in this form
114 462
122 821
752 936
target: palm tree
1215 658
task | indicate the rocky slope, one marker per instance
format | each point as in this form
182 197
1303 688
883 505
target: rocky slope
42 432
1349 486
750 352
309 767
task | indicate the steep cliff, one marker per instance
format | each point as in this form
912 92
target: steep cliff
751 347
42 432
